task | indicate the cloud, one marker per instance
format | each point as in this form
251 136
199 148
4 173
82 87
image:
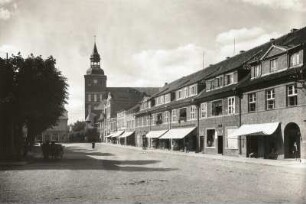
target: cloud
5 14
160 66
2 2
245 39
280 4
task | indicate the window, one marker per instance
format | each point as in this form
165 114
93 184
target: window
217 108
231 105
95 81
153 119
167 98
270 99
95 97
183 115
296 59
162 99
229 79
209 85
89 97
252 102
159 118
203 110
291 95
193 90
186 92
218 82
273 65
256 71
174 117
179 94
148 120
193 112
210 138
232 141
101 97
166 116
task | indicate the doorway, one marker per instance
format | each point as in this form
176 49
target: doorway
220 144
292 138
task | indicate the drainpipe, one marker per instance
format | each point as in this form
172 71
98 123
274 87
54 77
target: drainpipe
198 129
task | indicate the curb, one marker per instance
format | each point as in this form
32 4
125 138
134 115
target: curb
281 163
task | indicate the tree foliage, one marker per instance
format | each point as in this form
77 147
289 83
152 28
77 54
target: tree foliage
78 126
33 91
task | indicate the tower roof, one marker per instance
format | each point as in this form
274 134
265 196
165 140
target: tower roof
95 57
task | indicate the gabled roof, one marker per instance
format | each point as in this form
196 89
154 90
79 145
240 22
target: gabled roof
277 50
286 41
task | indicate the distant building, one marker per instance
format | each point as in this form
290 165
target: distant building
102 103
58 133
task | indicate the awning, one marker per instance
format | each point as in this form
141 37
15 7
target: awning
156 133
177 133
118 133
110 135
126 134
255 129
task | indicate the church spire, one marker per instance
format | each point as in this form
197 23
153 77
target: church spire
95 57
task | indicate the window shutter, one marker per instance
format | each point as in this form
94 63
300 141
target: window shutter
252 71
188 111
301 57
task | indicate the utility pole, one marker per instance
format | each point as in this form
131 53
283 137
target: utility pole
234 47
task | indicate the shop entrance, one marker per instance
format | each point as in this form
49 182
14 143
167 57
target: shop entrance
220 144
292 138
252 146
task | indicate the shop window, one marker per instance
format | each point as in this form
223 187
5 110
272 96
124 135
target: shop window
217 108
210 138
273 65
183 115
252 102
203 110
270 99
291 95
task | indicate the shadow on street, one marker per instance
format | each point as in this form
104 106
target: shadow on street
81 159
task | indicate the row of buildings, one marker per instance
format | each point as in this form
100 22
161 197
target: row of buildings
252 105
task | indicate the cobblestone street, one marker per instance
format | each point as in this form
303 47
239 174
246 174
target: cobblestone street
111 174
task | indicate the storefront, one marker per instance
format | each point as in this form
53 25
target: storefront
259 140
152 137
181 139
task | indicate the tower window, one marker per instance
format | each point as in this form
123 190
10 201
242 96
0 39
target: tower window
89 97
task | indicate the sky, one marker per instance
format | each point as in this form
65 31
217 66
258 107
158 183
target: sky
142 43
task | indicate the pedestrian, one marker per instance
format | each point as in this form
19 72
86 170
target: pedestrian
295 150
93 145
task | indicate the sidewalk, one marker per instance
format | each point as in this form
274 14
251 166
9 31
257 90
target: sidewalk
282 162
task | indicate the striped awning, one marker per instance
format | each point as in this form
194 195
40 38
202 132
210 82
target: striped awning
126 134
118 133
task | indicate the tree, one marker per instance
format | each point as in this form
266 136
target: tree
78 126
35 95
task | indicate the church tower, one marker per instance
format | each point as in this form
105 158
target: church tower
95 83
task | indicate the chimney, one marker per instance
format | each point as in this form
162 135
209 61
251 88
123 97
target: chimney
293 30
242 51
228 57
210 65
272 39
166 83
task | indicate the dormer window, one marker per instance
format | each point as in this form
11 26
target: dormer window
193 90
256 71
218 82
296 59
167 98
273 65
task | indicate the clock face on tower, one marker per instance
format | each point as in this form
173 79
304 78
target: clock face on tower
95 81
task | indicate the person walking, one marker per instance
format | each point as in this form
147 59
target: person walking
295 150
